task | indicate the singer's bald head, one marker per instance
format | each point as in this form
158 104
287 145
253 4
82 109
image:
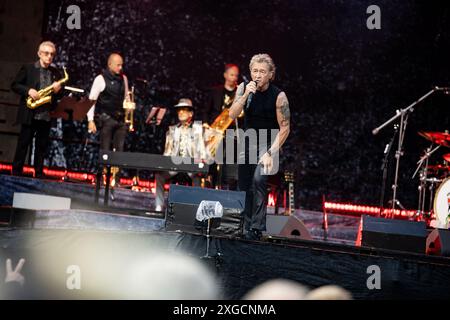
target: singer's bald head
115 63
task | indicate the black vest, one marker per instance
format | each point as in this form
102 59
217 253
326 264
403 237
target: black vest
110 100
261 113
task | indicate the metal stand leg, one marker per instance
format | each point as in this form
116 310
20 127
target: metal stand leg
421 196
398 154
108 182
208 239
384 168
98 183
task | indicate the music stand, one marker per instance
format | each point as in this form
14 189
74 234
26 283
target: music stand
70 108
157 112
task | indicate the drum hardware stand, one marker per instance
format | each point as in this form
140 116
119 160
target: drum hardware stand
432 188
403 114
425 158
423 163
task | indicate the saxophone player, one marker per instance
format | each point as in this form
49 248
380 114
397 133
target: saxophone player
35 122
221 96
219 100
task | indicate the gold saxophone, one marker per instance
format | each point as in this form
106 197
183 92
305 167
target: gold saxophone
218 128
129 106
45 95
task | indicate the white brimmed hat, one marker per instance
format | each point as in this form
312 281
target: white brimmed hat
185 103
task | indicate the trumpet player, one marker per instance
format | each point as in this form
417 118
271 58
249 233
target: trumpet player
109 90
35 122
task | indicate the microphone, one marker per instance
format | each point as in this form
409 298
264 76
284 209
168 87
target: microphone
250 98
446 90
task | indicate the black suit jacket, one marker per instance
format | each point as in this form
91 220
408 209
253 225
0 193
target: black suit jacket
28 78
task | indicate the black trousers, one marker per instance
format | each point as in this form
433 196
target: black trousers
254 183
113 131
40 129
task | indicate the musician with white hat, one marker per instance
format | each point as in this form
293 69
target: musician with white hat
185 139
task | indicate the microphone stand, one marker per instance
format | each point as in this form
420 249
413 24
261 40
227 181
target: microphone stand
384 168
403 114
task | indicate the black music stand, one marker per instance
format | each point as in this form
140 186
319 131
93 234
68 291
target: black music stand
70 108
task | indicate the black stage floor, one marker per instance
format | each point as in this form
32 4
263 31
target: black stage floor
51 240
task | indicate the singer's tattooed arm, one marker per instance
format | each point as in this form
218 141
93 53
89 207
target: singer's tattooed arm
238 102
283 118
283 112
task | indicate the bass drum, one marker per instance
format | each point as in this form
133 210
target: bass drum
442 204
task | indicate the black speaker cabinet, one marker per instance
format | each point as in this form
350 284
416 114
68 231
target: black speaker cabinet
438 242
394 234
183 202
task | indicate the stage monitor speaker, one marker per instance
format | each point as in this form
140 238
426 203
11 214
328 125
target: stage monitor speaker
438 242
40 202
393 234
286 226
183 202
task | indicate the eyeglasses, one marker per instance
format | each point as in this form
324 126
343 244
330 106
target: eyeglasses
48 53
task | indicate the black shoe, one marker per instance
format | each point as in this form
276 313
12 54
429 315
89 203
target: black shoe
253 235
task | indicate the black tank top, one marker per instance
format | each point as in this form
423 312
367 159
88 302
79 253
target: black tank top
261 113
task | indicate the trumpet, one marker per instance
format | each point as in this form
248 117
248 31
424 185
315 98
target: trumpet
45 95
129 106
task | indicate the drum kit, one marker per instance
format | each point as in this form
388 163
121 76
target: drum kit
430 176
435 181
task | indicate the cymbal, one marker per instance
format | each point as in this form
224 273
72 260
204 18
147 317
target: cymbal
438 167
446 157
442 138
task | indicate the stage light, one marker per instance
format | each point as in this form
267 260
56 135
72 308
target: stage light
364 209
271 200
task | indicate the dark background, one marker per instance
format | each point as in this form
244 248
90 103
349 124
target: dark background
341 78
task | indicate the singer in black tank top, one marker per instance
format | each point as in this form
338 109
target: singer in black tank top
266 108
